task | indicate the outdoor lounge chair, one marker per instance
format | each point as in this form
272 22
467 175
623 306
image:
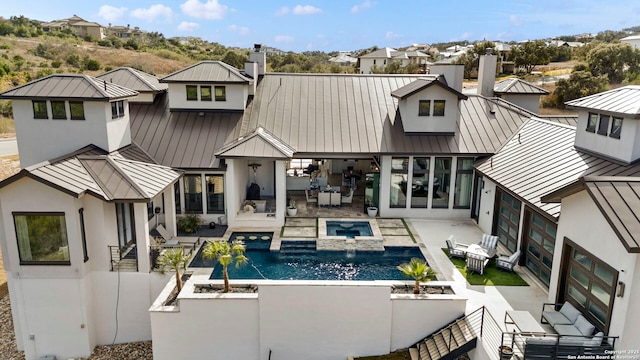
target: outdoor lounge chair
169 240
476 263
490 244
455 249
310 200
508 262
347 199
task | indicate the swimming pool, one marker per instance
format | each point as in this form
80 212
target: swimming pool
303 262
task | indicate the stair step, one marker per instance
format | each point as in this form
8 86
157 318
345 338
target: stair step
466 330
423 351
433 349
442 346
457 334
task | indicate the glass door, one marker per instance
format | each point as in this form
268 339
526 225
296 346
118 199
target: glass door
371 190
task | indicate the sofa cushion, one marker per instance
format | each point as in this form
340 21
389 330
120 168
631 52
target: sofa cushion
546 340
567 330
584 326
573 340
596 340
555 318
570 312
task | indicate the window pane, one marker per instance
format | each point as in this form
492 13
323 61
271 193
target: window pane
40 110
580 277
77 110
420 183
582 259
600 293
205 93
114 110
176 192
536 219
462 198
548 245
598 312
192 194
577 295
397 195
126 224
121 108
424 108
42 238
192 92
535 236
399 165
604 274
603 126
438 107
547 261
551 229
441 181
592 122
533 250
616 127
58 110
221 93
215 193
465 163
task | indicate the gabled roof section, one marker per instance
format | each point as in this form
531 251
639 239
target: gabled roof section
207 72
109 177
517 86
258 144
540 159
618 199
69 86
623 101
380 53
133 79
423 83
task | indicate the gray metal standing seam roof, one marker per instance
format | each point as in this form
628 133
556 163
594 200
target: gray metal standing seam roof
624 101
69 86
207 72
117 176
133 79
517 86
541 159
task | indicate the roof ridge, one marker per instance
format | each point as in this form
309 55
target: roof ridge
555 123
123 173
95 177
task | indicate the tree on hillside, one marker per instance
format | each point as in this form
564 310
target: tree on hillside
471 59
579 84
235 59
613 60
610 35
529 54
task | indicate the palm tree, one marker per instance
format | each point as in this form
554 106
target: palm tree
226 253
419 271
176 260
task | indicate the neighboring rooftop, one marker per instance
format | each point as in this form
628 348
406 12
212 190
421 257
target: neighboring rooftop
517 86
69 86
423 83
621 101
133 79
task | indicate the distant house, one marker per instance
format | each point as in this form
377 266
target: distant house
633 40
344 58
559 43
80 27
520 92
383 57
125 32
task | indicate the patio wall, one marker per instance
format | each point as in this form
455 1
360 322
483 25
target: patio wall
297 320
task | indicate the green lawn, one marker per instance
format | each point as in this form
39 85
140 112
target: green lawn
492 276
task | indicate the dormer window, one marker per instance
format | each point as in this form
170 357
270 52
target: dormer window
603 125
616 127
192 93
40 110
205 93
424 108
438 107
117 109
221 93
77 110
592 122
58 110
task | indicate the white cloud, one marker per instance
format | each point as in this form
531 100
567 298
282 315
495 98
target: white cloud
111 13
186 26
153 13
211 9
283 11
392 36
362 6
515 20
284 39
242 30
306 10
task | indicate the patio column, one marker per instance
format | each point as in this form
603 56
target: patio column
142 235
170 210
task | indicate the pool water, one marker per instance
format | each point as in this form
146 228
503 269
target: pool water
350 229
315 265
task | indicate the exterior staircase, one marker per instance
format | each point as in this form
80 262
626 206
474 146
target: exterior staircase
450 342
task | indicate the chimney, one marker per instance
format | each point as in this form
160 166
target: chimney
452 73
251 69
258 57
487 73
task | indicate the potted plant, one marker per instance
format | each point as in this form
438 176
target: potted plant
372 210
226 253
419 271
292 210
176 260
189 223
505 352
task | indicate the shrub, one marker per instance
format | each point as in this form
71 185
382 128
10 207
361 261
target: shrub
43 72
73 60
91 64
108 68
56 64
189 223
6 109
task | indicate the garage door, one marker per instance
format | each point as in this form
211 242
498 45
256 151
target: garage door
538 244
508 220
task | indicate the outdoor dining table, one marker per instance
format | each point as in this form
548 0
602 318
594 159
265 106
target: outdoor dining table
477 250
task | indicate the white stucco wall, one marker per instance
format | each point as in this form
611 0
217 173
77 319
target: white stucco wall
599 239
45 139
529 102
409 107
143 97
635 43
626 149
236 97
309 320
435 213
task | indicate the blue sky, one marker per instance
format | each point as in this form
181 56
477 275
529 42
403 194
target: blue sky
344 24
